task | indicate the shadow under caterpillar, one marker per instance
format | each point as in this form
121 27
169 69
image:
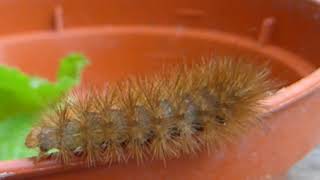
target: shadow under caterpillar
178 111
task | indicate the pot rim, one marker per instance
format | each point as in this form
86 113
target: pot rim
283 98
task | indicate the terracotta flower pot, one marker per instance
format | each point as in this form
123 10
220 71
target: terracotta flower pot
126 37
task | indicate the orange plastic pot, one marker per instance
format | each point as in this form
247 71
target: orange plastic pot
122 38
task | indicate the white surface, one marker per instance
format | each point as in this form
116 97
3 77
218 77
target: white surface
308 168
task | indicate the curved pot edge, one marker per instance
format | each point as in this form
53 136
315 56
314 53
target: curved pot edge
281 99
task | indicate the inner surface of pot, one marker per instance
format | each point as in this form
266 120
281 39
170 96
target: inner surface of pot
119 51
116 52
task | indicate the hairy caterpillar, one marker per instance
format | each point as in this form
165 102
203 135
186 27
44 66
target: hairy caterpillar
181 110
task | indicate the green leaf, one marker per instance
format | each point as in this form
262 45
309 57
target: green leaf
13 133
70 71
23 98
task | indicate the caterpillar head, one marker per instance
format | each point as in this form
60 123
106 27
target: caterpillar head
32 139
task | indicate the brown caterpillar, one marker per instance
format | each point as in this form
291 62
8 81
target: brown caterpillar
181 110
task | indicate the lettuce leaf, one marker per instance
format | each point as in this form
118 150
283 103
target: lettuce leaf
23 98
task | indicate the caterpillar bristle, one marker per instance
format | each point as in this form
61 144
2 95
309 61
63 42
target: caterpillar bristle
179 111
